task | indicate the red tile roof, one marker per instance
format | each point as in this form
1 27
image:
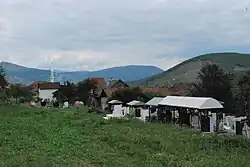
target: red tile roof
49 85
98 81
177 89
35 86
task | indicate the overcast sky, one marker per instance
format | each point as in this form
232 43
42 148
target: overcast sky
96 34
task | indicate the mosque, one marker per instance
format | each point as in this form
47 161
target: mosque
45 89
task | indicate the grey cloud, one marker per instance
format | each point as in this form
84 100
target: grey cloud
125 31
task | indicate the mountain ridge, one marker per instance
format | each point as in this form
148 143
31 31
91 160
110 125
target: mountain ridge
186 71
25 75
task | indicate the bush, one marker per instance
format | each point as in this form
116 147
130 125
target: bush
56 104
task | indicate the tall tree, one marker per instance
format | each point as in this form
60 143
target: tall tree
212 81
20 91
83 90
243 95
66 92
3 81
128 94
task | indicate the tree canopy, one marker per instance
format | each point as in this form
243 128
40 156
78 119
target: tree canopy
3 81
212 81
243 96
128 94
84 89
18 91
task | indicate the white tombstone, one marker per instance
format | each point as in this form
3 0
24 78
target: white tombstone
66 104
246 131
213 122
195 122
144 114
118 112
32 104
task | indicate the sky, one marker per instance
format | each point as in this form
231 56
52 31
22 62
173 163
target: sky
97 34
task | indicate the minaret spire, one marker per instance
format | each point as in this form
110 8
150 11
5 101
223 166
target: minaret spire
52 77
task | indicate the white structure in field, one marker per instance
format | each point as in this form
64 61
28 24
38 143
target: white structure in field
153 106
118 112
45 90
201 105
139 108
46 93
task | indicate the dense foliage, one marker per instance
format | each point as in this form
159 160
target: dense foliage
18 91
243 94
67 92
212 81
79 91
128 94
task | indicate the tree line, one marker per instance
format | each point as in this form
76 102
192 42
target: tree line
212 81
231 88
13 93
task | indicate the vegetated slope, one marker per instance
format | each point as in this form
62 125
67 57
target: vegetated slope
186 72
53 137
20 74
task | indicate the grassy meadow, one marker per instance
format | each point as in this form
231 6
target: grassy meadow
57 137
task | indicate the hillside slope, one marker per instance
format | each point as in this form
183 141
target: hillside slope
20 74
186 72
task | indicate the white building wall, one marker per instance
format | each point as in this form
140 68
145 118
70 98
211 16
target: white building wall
47 93
104 102
213 122
125 110
118 112
144 114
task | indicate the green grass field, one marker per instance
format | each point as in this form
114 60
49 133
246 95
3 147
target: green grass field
52 137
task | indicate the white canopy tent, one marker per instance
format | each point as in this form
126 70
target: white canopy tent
115 102
136 103
117 113
191 102
155 101
138 107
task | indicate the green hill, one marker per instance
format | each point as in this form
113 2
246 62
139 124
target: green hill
186 72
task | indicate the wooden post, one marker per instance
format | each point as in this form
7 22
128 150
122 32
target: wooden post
149 113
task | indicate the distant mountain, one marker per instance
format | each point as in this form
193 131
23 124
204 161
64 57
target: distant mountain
21 74
186 72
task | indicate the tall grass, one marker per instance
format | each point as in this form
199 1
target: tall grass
53 137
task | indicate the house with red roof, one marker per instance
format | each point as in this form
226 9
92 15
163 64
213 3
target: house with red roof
44 90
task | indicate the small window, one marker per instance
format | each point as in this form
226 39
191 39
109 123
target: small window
137 112
153 110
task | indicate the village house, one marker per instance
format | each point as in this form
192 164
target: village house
44 90
104 90
115 85
99 97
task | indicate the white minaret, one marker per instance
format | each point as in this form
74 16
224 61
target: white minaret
52 77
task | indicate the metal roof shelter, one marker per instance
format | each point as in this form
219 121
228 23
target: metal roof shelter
136 103
155 101
115 102
191 102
